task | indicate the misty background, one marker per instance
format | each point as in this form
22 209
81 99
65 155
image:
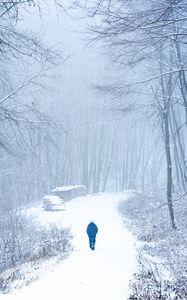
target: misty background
66 131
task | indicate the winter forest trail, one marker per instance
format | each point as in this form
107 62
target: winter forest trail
86 274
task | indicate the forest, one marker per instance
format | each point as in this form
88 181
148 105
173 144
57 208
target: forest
99 101
128 134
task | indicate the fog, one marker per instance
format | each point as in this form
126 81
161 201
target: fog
93 94
84 133
90 110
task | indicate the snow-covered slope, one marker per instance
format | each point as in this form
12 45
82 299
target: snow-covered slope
102 274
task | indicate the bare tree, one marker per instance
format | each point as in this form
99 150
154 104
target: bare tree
152 35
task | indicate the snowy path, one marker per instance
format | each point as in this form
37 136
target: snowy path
88 275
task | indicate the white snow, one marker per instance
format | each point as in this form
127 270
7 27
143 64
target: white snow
102 274
67 188
53 198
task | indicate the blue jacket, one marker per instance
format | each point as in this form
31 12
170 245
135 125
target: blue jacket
92 229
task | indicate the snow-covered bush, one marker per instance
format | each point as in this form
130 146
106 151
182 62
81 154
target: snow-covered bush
51 202
147 217
22 239
148 284
54 241
26 245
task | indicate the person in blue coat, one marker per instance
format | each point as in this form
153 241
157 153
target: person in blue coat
92 230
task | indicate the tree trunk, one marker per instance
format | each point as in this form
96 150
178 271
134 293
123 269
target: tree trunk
166 86
169 170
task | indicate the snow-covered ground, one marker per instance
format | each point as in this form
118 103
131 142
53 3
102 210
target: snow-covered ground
86 274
